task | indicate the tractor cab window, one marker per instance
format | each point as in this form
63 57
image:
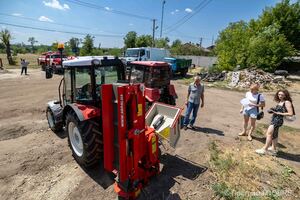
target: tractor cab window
137 74
68 86
106 75
83 87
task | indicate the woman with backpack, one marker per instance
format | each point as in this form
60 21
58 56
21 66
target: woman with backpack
283 109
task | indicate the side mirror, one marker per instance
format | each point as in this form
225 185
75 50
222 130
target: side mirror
49 72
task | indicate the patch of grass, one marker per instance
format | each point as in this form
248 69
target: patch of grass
287 171
31 58
223 191
261 128
221 163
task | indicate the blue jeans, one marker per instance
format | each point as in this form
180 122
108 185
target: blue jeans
190 107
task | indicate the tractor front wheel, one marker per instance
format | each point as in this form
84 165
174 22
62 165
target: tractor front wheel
55 127
85 140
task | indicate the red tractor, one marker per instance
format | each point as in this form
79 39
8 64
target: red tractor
105 121
51 59
156 77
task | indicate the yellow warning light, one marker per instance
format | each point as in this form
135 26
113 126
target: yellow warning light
60 46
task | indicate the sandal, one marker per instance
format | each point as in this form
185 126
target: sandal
242 134
249 137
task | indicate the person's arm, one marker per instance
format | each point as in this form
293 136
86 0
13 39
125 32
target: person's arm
289 108
188 95
202 98
242 109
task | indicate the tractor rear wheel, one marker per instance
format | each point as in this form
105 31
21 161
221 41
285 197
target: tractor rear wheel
85 140
55 127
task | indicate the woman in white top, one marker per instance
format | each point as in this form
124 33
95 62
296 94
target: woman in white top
250 111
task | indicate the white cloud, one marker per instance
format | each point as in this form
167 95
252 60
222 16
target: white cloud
55 4
188 10
17 14
45 19
107 8
174 12
130 24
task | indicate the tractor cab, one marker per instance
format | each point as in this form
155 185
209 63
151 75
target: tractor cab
84 76
157 79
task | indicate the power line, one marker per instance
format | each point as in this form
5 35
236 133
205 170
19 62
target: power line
58 31
183 20
54 23
94 6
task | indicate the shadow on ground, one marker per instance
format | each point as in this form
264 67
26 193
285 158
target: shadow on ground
174 168
208 130
100 176
288 156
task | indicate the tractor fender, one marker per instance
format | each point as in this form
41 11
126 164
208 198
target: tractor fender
83 112
56 110
152 94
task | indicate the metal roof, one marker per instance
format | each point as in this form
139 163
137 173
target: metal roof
150 63
84 60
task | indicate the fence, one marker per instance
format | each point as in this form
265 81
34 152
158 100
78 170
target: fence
202 61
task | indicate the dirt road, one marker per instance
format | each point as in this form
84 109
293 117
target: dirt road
35 163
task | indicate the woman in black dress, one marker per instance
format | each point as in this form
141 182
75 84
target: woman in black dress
283 108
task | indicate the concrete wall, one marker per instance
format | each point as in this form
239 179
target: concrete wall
202 61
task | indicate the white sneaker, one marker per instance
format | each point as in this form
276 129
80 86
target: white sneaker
260 151
272 152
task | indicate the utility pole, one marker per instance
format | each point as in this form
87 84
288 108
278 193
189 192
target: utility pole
162 17
153 33
212 41
201 42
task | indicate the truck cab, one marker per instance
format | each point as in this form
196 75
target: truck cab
146 54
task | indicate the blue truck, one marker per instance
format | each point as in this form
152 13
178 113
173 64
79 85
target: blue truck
179 65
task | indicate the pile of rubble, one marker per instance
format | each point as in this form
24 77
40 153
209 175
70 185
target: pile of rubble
244 78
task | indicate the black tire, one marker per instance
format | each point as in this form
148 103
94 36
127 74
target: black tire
183 72
172 101
91 137
55 127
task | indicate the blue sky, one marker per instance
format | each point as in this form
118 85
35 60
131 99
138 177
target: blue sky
45 14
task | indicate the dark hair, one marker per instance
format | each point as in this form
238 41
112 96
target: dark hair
286 94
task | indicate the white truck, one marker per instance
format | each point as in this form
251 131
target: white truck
145 54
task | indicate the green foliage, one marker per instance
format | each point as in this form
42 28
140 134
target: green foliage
287 17
5 37
130 39
144 41
96 52
162 43
115 52
268 48
261 43
73 44
232 46
223 191
32 41
88 45
178 48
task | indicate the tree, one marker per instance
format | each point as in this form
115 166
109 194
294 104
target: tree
162 42
74 45
88 45
268 48
130 39
5 37
232 46
144 41
32 41
287 17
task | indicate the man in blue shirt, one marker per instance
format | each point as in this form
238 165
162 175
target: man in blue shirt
194 98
